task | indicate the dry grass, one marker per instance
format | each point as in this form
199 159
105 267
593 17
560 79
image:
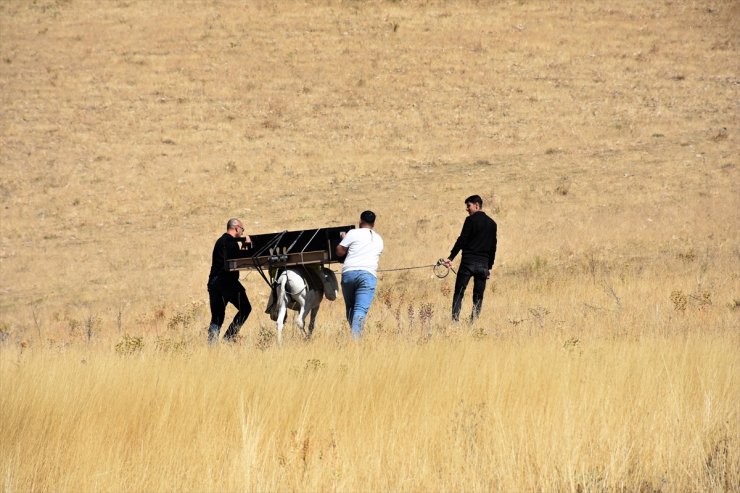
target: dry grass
602 136
511 413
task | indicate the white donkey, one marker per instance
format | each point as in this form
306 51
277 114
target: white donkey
302 289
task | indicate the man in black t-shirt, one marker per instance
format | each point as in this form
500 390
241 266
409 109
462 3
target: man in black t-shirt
224 286
478 244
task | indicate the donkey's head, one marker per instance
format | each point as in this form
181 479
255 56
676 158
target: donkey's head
331 286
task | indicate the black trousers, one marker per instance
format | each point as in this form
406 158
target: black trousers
478 270
219 295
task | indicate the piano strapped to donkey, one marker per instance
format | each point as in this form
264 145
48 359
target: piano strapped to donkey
288 248
295 262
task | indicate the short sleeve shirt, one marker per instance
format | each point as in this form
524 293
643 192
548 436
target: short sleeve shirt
364 247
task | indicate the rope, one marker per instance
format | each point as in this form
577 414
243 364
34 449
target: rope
442 274
407 268
306 246
308 243
287 283
440 269
294 242
274 241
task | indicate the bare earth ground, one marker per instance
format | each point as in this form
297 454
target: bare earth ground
132 130
603 137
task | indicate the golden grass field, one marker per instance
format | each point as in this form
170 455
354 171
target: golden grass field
603 137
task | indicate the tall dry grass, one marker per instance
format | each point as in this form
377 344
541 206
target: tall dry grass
513 413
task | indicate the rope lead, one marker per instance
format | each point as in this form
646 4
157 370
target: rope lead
440 269
442 273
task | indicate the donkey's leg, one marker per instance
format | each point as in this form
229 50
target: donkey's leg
311 324
302 313
282 313
282 306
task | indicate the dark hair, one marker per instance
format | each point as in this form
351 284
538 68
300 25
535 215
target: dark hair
474 199
368 217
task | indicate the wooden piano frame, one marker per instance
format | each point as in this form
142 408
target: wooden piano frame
288 248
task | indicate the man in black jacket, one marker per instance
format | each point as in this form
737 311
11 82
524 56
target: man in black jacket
478 244
224 286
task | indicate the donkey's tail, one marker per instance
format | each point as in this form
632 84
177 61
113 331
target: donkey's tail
277 292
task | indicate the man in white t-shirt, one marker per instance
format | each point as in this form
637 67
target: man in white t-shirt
363 247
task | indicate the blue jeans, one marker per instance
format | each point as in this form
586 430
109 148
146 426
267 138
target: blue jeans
358 289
